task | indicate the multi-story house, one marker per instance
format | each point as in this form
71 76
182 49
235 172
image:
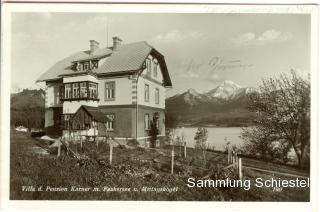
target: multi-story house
125 83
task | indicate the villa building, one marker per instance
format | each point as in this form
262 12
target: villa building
121 87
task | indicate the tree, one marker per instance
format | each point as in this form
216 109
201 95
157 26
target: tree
201 141
171 123
282 121
154 131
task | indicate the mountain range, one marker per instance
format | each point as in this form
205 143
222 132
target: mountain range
225 104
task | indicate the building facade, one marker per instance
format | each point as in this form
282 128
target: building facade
125 82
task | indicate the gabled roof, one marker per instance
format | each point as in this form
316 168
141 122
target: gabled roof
128 58
95 113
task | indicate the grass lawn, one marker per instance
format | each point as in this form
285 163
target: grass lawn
136 170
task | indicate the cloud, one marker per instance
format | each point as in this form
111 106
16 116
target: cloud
244 38
175 36
273 35
268 36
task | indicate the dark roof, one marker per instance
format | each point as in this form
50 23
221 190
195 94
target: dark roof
127 58
95 113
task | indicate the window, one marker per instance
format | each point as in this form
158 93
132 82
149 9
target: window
86 66
75 90
110 91
58 94
61 93
66 121
157 96
67 91
146 122
93 93
83 90
158 123
110 123
80 90
155 67
146 92
148 64
79 67
94 64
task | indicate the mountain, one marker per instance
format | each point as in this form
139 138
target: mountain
225 104
27 108
28 99
193 98
224 91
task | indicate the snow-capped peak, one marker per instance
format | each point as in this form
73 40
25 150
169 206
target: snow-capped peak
193 92
225 90
229 83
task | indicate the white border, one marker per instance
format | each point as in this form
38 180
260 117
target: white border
7 9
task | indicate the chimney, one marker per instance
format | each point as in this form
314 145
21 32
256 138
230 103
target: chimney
93 45
116 43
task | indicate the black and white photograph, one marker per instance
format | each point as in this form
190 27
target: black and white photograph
160 106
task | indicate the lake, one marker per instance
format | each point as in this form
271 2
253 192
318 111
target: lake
216 136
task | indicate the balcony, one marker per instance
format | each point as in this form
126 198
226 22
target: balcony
79 91
80 99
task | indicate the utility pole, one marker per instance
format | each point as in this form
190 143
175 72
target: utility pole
107 33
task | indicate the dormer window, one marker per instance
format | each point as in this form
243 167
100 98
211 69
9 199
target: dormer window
79 67
85 65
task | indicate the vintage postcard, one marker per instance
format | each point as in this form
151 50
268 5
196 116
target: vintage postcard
155 102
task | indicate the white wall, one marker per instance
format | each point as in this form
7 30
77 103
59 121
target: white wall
123 91
80 78
52 95
152 86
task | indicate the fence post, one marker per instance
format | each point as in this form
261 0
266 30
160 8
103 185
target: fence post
172 160
111 149
240 168
236 159
81 140
185 149
59 148
233 160
229 155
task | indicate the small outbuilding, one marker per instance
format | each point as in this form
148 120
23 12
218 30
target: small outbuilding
89 121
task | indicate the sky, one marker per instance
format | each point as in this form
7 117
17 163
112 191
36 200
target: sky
201 50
